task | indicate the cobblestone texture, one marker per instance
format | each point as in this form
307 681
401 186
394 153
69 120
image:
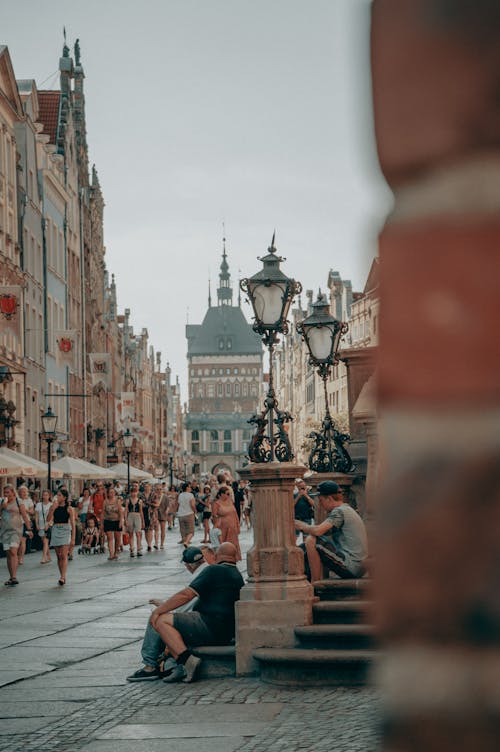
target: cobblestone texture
312 719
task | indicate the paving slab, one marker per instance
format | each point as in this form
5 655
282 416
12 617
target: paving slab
217 711
193 730
37 708
215 744
15 726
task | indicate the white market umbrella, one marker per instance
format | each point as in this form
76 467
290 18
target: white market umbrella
120 472
10 467
30 467
72 467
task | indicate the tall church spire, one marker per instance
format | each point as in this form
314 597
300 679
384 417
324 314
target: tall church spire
224 291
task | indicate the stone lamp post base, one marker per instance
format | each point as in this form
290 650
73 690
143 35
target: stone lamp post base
278 596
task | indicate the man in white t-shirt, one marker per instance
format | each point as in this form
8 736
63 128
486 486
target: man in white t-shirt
186 514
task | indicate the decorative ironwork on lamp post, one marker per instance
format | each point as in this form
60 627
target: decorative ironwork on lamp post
49 423
271 293
171 463
128 440
322 334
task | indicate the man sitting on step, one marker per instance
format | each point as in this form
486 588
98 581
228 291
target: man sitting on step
211 622
339 542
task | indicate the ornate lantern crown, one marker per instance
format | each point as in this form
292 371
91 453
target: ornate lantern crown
321 333
271 293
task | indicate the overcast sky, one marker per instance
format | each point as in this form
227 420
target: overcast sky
256 113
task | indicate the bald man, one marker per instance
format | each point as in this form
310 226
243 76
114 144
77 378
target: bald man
212 620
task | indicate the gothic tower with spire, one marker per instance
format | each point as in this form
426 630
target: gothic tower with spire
224 377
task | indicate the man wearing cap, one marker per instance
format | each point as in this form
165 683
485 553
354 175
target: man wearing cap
339 542
210 622
195 560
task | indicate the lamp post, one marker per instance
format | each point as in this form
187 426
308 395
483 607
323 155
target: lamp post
322 334
49 423
128 440
271 293
184 457
171 462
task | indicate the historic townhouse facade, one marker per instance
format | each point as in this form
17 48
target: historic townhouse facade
67 346
12 277
32 243
225 377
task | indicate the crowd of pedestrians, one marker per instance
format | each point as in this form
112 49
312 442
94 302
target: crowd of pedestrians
109 518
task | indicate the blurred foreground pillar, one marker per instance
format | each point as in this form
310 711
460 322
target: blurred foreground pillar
436 84
278 596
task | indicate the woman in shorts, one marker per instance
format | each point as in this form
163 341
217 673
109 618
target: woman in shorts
112 522
134 521
42 510
62 514
13 516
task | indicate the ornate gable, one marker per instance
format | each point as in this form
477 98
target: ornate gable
8 85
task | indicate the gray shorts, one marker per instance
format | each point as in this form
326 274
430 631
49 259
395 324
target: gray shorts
193 629
134 522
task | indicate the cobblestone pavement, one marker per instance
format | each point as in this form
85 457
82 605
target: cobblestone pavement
65 653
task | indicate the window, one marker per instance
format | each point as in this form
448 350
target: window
214 441
219 390
254 391
236 390
221 343
195 441
228 389
228 371
228 445
245 389
211 390
229 343
235 371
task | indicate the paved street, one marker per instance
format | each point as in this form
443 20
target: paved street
65 653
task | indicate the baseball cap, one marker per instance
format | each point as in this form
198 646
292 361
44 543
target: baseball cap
326 488
191 555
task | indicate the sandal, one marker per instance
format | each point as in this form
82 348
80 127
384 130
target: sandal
62 582
11 583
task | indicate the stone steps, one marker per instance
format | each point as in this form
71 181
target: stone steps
336 636
336 650
314 667
336 589
345 611
218 661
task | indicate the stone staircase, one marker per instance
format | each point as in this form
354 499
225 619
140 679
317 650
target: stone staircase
336 650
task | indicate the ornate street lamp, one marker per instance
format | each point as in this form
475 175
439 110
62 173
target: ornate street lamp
322 333
128 440
185 457
171 462
271 293
49 423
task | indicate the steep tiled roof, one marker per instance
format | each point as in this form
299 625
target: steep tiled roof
49 112
227 324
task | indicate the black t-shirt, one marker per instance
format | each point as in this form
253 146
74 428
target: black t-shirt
303 510
218 587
